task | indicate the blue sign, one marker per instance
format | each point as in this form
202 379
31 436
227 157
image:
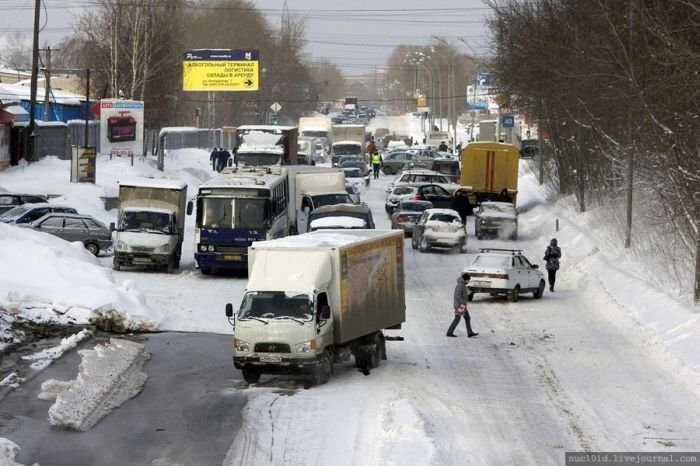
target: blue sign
508 121
484 79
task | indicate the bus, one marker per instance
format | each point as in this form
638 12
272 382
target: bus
235 208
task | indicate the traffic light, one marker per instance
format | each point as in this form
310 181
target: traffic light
274 120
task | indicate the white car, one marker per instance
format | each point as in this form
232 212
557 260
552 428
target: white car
439 228
423 177
504 272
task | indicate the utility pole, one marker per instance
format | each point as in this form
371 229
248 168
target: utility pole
540 147
47 87
630 161
30 139
697 249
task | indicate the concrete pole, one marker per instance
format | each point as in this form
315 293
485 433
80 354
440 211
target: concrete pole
47 85
697 249
30 152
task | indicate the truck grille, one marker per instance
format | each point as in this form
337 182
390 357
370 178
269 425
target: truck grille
142 249
272 348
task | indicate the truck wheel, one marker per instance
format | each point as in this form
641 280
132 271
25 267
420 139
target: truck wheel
377 355
170 266
387 170
322 372
251 375
116 265
205 270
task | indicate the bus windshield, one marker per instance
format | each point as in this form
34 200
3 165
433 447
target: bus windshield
250 213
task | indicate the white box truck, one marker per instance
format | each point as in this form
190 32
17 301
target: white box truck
348 139
317 127
316 299
151 224
311 187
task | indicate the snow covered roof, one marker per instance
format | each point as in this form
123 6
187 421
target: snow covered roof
153 182
356 143
338 222
18 93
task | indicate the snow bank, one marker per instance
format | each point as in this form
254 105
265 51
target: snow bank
8 451
109 375
51 278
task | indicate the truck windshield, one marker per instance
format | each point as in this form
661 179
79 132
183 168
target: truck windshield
276 305
331 199
347 149
258 158
315 133
250 213
151 222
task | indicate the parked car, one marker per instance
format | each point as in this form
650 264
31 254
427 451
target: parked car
357 163
353 191
439 228
398 194
341 216
29 212
394 162
421 176
504 272
10 200
498 219
94 235
407 214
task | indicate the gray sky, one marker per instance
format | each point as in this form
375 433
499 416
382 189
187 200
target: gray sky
357 35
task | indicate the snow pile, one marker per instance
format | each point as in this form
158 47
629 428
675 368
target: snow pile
109 375
52 277
8 451
43 358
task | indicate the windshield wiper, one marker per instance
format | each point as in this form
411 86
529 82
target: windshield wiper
290 317
256 318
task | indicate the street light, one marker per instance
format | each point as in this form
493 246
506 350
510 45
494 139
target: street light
451 105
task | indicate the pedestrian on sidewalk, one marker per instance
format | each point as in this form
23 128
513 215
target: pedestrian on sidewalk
461 297
552 256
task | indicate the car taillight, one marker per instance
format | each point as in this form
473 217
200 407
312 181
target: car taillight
401 218
498 276
417 197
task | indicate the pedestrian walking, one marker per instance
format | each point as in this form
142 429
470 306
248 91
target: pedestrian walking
461 203
224 157
552 256
214 159
376 164
461 297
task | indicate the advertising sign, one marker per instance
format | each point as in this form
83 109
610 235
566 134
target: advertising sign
220 70
121 127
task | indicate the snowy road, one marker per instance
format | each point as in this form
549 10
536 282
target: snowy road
564 373
569 372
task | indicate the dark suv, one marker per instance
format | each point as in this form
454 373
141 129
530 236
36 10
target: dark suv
9 200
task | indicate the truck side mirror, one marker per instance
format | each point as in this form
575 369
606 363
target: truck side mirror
229 310
325 312
189 208
112 227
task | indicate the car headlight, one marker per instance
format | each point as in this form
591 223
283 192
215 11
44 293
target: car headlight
122 246
241 345
162 248
306 347
211 248
202 248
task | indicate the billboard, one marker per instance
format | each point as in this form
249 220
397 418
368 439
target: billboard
220 70
121 127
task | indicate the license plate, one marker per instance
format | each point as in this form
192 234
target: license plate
270 359
140 260
236 257
481 284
